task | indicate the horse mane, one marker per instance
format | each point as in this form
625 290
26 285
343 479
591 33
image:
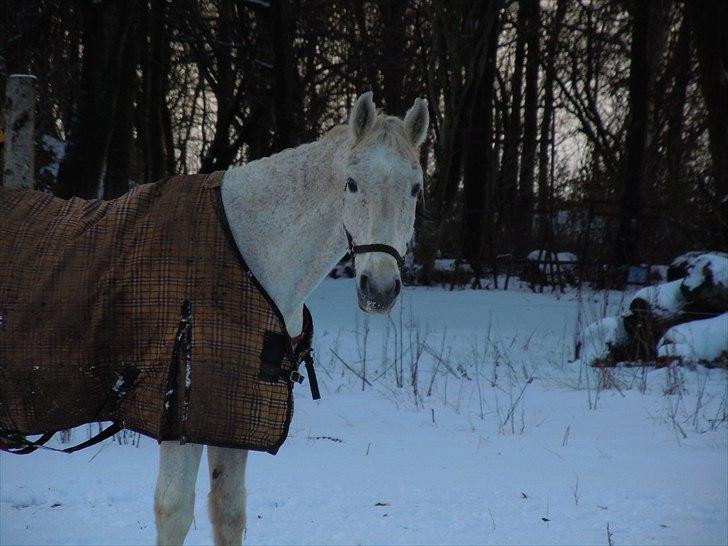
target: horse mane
388 130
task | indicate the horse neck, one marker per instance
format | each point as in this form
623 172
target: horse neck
285 215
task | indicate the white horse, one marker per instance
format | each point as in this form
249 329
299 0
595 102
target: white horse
289 214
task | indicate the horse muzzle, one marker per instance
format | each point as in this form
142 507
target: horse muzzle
374 298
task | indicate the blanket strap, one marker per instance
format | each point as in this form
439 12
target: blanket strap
304 353
30 447
311 371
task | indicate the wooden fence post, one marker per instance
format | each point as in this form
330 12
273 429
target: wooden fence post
19 145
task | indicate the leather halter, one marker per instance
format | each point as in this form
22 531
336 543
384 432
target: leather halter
376 247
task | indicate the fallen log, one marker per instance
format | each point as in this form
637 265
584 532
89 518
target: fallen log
706 285
654 311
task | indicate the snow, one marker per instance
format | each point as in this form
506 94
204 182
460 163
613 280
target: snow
685 261
514 445
118 384
697 341
599 337
57 149
665 300
565 260
716 263
343 269
658 273
447 264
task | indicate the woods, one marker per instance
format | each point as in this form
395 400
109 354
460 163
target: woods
596 127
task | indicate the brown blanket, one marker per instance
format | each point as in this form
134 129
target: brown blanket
139 311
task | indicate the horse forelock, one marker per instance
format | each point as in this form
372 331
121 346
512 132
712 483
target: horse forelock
386 130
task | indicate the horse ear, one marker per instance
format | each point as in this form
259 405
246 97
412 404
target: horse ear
417 121
362 116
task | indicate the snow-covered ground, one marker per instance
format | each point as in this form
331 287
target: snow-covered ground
506 441
697 341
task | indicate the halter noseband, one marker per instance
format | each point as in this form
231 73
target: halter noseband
377 247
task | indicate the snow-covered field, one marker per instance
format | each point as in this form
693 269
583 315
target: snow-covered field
505 442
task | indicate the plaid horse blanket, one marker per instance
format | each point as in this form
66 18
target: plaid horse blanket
140 311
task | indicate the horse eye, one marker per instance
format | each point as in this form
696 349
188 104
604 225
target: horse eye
416 190
351 185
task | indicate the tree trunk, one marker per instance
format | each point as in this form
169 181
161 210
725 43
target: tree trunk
105 27
709 21
460 37
369 69
393 31
156 69
661 19
477 169
524 224
287 99
680 70
544 191
121 149
19 146
626 243
224 87
508 176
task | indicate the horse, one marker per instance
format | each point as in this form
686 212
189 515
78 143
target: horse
293 215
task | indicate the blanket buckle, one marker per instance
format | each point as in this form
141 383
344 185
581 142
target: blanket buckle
296 377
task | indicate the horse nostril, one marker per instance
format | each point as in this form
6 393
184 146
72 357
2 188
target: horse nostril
397 287
363 283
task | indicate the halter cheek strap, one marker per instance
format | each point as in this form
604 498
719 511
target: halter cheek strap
377 247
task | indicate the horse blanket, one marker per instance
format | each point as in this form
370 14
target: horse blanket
140 311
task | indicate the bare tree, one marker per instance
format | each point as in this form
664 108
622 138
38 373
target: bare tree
121 157
524 224
708 21
287 96
198 85
545 141
679 70
507 188
105 28
626 249
479 165
460 38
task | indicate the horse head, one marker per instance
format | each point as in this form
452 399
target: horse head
382 179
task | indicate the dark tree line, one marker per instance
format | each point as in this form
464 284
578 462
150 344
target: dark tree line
595 126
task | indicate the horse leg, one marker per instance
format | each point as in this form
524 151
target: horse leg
174 499
227 494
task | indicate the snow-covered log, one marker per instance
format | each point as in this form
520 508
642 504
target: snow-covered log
652 311
601 340
664 301
702 294
681 266
662 318
706 285
19 168
700 341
